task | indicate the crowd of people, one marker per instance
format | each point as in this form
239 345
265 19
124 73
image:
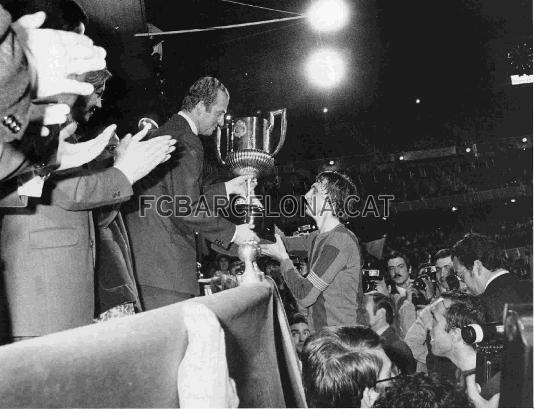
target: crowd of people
85 236
431 178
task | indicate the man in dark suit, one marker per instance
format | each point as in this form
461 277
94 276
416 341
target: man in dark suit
380 314
162 239
478 261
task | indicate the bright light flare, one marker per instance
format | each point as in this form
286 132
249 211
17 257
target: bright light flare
325 68
328 15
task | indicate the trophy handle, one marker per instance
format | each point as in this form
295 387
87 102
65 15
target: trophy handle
218 147
283 127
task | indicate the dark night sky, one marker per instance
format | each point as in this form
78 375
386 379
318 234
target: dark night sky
449 53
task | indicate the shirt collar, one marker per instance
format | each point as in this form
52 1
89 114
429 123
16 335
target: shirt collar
189 121
500 273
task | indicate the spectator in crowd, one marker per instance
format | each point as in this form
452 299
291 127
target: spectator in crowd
478 261
223 264
300 331
449 316
399 270
341 367
417 335
420 390
333 288
223 281
272 269
445 277
237 267
381 312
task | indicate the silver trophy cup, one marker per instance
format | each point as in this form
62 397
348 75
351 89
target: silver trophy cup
247 146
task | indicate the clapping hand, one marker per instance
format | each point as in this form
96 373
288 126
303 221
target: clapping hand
72 155
137 158
55 55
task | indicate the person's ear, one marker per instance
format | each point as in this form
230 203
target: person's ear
200 108
369 397
381 313
456 335
477 268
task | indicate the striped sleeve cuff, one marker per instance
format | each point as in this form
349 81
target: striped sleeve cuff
317 281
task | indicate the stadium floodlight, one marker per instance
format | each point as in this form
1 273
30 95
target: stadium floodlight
328 15
325 68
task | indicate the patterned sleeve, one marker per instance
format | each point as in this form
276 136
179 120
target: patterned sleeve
323 271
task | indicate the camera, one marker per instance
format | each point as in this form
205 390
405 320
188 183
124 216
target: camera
370 278
426 272
474 333
453 282
489 340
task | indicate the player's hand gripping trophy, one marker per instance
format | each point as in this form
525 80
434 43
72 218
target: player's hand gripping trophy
247 148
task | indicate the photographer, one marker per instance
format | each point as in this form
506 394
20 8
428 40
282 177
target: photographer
416 336
446 279
425 286
402 290
449 315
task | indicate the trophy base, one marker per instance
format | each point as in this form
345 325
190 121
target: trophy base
246 213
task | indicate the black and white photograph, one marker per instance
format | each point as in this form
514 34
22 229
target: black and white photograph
266 203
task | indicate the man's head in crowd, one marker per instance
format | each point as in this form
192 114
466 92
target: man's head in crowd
272 269
420 390
223 281
236 267
399 268
380 310
341 366
334 194
223 263
85 106
443 264
206 103
475 259
300 331
449 316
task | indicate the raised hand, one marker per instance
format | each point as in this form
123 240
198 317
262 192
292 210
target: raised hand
137 158
277 250
53 55
72 155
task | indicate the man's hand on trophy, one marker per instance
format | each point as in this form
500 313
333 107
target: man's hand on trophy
244 233
277 250
238 185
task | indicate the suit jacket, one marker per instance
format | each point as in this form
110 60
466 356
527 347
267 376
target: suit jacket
397 350
505 289
163 247
114 272
48 252
15 98
15 83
